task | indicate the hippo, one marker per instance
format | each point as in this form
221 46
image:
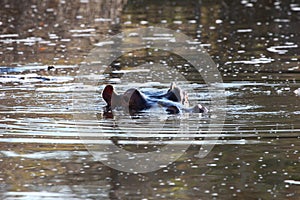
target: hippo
174 100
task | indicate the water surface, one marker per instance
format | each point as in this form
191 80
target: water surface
42 154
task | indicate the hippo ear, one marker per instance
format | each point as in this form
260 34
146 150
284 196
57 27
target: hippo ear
172 86
175 94
107 94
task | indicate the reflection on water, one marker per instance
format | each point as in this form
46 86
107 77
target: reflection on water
42 155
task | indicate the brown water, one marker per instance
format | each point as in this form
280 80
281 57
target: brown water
43 154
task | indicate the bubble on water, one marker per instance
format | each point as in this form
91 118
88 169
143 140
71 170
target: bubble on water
192 21
49 10
219 21
143 22
244 30
127 23
295 7
177 22
282 20
297 92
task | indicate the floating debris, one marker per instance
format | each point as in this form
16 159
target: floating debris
32 78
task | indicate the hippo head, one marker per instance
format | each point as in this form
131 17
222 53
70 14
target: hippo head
175 100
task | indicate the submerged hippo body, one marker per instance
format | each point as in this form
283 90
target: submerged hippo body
174 100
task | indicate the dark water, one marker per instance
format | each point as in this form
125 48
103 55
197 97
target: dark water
47 116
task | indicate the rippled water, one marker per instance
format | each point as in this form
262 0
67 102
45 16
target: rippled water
50 121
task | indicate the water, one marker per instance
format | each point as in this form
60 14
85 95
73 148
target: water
50 122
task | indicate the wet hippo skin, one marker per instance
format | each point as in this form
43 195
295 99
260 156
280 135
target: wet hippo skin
174 100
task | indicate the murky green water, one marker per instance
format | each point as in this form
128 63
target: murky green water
44 145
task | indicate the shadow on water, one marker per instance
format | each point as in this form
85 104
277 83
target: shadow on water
42 154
